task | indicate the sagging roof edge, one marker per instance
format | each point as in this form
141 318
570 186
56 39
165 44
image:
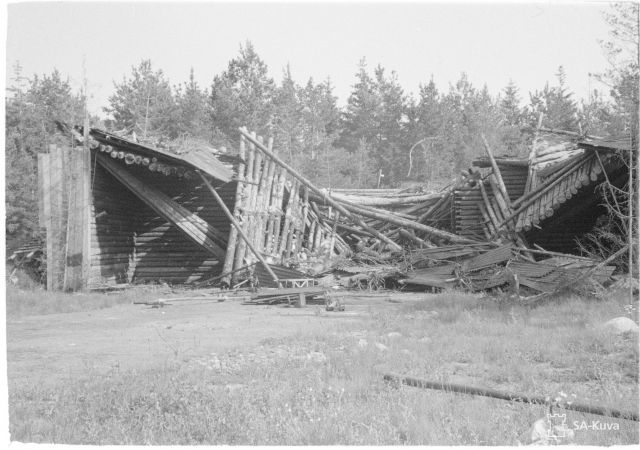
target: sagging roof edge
196 159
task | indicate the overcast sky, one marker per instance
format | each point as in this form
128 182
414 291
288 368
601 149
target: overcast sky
492 43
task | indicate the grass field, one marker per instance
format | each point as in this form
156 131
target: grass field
21 302
314 388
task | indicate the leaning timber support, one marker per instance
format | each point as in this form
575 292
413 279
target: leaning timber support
319 192
239 228
496 171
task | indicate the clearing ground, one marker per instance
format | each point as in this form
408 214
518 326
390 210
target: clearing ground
226 373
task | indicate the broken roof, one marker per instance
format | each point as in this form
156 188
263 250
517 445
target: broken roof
217 165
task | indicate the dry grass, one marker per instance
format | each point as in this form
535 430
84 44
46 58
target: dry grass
327 389
24 302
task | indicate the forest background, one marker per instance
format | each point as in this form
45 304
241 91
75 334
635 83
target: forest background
382 137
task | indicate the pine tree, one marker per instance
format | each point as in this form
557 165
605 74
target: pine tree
192 109
557 104
359 119
242 96
318 126
143 104
513 116
31 110
286 123
391 149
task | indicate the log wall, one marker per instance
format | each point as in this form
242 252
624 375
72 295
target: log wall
132 244
114 215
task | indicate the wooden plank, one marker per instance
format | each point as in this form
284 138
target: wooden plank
77 254
55 259
87 203
287 220
41 191
72 262
44 175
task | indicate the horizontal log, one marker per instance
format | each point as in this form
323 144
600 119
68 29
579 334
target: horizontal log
140 270
383 201
394 219
169 279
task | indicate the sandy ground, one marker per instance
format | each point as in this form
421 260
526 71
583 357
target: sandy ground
46 348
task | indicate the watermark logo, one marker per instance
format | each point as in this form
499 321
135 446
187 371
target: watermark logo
595 425
557 427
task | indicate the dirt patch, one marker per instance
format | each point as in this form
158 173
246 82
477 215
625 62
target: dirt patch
43 349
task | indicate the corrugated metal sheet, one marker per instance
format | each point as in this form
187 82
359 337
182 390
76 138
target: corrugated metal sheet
492 257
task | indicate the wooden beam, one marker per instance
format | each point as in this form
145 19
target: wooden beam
239 228
227 268
496 171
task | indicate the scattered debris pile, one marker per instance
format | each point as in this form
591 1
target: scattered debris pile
203 217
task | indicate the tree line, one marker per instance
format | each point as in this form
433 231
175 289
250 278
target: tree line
382 137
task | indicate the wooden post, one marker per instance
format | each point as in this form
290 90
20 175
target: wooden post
332 242
233 233
285 243
244 211
87 202
74 258
279 213
252 212
46 222
496 171
56 235
240 231
488 208
271 218
265 201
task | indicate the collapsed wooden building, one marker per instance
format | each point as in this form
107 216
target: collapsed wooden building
118 212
